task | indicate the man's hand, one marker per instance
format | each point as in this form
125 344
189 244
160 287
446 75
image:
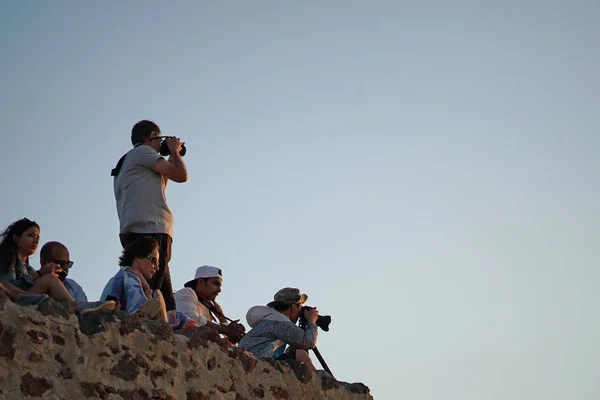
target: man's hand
234 331
311 315
174 144
50 268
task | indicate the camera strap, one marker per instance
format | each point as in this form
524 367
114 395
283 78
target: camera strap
212 309
115 171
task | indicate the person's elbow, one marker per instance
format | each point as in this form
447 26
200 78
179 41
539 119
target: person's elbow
180 177
184 177
170 171
305 344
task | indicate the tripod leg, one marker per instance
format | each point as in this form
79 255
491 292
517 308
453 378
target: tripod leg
321 360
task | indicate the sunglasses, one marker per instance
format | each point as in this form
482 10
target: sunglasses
153 259
161 137
63 264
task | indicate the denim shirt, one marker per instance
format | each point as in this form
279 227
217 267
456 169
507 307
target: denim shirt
18 271
126 287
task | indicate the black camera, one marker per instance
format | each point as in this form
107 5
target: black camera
323 321
165 151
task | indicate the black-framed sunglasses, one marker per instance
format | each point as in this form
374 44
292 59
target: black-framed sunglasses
63 264
153 259
161 137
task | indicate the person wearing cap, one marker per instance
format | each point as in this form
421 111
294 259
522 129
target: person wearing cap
274 325
204 289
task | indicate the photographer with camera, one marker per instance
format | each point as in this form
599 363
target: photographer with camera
275 325
140 180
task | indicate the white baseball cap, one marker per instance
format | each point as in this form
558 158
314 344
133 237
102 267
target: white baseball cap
207 271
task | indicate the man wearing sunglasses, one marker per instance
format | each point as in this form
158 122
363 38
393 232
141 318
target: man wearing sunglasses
57 255
140 180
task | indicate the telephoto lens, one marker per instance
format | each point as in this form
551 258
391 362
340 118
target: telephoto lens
323 321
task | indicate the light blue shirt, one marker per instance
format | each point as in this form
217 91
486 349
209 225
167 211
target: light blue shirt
75 290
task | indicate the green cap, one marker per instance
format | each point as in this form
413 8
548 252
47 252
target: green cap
288 296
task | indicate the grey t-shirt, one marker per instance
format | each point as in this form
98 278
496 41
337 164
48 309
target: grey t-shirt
140 194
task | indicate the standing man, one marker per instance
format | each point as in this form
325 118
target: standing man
141 177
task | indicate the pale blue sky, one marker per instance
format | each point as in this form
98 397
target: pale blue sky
427 173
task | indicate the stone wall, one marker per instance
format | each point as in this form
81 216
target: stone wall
47 352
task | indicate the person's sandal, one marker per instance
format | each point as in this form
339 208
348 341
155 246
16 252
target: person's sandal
96 306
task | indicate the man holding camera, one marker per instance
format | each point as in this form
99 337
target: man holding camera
197 301
141 177
275 325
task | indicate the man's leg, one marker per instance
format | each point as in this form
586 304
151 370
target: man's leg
128 237
162 279
302 356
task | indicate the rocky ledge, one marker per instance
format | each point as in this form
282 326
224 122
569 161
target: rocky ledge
47 352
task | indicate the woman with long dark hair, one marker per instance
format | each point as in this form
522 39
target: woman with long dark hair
17 243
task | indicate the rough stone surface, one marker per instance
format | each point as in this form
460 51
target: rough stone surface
47 352
56 308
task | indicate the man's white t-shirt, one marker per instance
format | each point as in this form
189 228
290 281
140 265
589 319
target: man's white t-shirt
187 302
140 194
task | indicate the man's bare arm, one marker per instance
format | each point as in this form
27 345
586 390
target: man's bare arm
171 170
174 169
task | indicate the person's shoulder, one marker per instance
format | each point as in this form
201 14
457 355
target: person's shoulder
185 292
142 149
71 282
131 275
142 152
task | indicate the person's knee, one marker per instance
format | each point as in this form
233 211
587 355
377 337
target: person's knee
49 279
303 356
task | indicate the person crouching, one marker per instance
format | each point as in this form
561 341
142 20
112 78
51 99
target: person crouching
274 325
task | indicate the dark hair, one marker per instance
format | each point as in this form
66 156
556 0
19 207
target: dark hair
8 246
142 130
48 249
280 306
192 284
139 248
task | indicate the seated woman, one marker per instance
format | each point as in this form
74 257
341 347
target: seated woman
139 262
24 284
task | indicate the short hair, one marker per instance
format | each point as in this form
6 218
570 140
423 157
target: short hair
192 284
139 248
142 130
281 306
48 249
